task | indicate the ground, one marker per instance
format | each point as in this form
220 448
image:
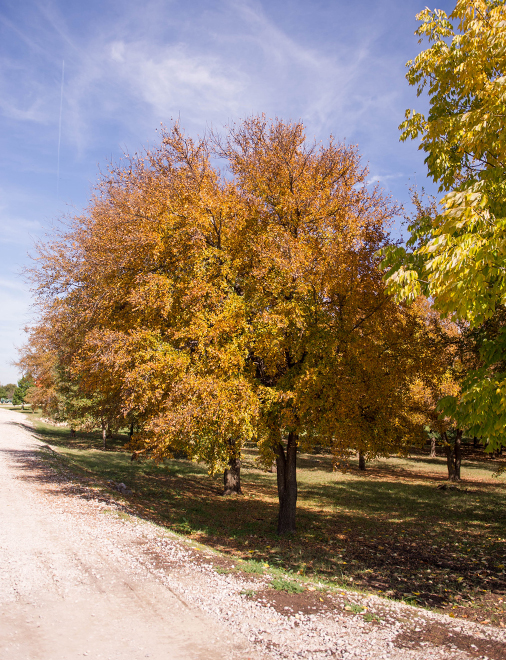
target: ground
389 530
78 556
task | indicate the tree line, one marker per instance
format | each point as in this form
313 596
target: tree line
7 391
243 287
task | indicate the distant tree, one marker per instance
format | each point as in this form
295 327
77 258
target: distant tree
9 388
25 383
62 394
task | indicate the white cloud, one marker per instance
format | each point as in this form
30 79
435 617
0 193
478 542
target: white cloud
118 51
171 78
208 75
381 178
18 231
133 76
277 45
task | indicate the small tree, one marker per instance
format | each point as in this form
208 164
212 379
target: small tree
10 387
25 383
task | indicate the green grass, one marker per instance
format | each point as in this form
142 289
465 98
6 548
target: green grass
283 584
388 530
253 567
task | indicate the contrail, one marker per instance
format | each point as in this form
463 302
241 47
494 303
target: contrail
59 131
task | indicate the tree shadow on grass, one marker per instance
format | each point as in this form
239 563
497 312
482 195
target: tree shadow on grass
485 463
61 437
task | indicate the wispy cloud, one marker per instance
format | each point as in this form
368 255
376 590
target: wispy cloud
171 79
134 78
277 45
14 301
382 178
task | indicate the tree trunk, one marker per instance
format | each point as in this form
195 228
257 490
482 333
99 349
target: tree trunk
453 456
72 433
449 458
458 454
433 447
286 464
361 460
104 433
449 463
232 475
475 442
131 431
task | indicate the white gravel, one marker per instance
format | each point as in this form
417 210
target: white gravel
74 563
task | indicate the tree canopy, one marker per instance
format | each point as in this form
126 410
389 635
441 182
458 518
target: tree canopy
216 307
20 395
456 255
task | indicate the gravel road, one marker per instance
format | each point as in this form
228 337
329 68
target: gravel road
81 577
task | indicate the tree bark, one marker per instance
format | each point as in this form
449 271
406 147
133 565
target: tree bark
449 463
104 433
433 447
232 475
286 464
458 454
453 456
361 460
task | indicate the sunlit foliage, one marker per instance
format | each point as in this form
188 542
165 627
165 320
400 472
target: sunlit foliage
457 256
243 303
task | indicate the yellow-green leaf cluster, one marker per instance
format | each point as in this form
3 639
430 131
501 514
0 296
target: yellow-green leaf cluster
459 260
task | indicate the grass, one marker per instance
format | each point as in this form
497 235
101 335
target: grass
283 584
388 531
254 567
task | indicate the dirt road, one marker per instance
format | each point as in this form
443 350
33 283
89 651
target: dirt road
65 590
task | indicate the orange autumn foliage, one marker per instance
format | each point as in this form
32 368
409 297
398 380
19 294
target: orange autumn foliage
244 303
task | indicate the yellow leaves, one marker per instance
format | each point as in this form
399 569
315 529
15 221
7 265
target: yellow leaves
212 308
404 284
463 139
461 67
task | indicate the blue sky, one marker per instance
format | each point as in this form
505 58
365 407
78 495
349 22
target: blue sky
129 66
